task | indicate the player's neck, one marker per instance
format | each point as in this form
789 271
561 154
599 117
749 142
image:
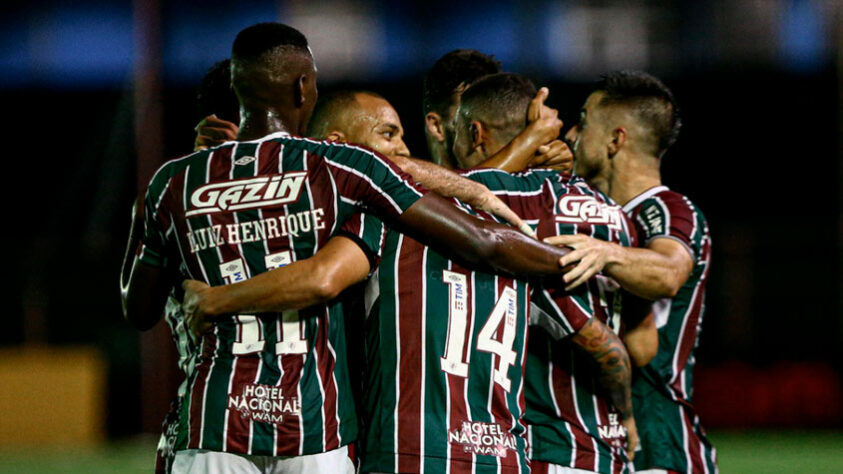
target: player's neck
632 176
440 156
259 123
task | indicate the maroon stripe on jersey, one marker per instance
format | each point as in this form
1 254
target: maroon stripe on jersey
682 221
687 340
565 393
289 434
696 461
268 157
458 411
245 371
175 202
356 187
529 207
410 301
539 467
329 384
197 392
323 195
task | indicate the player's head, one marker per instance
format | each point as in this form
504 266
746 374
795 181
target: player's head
215 95
449 75
492 111
628 110
273 74
361 117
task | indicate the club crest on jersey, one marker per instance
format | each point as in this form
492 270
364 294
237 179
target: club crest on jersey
577 209
249 193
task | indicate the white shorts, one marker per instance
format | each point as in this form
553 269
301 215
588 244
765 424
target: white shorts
558 469
201 461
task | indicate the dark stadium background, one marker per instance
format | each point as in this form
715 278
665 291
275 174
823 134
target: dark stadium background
91 89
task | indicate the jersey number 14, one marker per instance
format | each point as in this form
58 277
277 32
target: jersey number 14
455 360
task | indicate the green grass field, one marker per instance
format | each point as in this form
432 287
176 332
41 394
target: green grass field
748 452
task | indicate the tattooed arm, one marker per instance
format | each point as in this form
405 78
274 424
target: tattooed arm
614 370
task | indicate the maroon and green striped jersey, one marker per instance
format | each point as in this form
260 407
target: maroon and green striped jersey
446 346
671 434
264 384
570 422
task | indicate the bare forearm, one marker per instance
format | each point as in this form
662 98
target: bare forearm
442 181
270 291
482 244
315 280
144 295
612 361
516 155
646 273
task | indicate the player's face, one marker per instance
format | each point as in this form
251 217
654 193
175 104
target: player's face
588 139
378 127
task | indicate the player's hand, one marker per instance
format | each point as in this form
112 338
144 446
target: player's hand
554 155
213 131
591 256
487 201
633 442
193 307
543 122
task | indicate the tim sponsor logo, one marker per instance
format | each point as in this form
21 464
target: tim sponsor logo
249 193
588 210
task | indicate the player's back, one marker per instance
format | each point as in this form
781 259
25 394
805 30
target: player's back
571 423
269 384
671 434
445 350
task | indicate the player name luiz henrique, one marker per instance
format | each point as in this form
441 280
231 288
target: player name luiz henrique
252 231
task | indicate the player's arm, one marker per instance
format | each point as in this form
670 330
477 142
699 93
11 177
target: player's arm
143 288
640 334
536 145
482 244
613 372
318 279
446 183
655 272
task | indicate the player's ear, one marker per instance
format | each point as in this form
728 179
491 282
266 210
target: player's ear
305 91
434 125
618 140
478 134
335 136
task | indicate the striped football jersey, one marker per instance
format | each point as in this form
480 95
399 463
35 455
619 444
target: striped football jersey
446 346
671 434
570 422
264 384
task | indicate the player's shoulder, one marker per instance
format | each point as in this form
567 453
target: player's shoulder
668 200
499 181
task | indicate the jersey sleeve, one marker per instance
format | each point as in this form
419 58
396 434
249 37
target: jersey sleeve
525 193
369 233
667 217
371 181
561 313
155 223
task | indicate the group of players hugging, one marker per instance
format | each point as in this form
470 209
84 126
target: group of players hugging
515 305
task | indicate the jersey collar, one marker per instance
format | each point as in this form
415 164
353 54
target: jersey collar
634 202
